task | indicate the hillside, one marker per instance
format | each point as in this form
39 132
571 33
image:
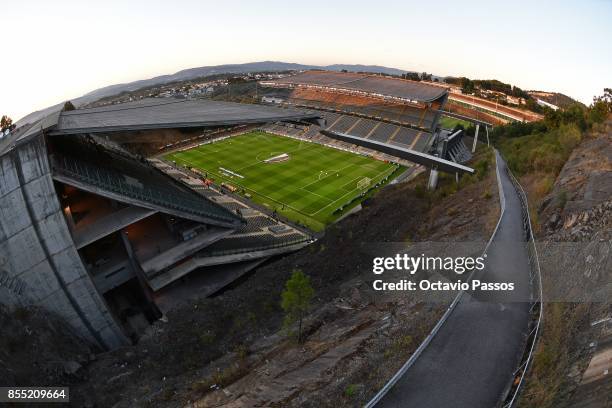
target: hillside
556 98
574 249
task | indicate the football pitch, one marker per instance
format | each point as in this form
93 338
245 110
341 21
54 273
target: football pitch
306 182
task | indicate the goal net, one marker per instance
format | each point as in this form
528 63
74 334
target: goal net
364 183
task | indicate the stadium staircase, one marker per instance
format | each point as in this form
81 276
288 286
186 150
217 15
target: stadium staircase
459 153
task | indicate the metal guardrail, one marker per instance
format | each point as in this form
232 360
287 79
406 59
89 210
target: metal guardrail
537 302
253 249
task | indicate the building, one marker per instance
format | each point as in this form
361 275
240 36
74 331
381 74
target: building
546 104
272 99
92 231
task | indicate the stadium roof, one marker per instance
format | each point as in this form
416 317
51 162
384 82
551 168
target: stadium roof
160 113
402 152
152 114
372 84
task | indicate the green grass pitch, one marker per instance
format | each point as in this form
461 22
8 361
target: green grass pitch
308 188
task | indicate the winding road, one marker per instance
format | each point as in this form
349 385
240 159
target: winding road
471 359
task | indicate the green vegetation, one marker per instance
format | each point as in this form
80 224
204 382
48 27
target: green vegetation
451 123
484 161
553 355
470 85
296 300
314 186
544 152
350 390
68 106
415 76
5 123
542 148
400 345
538 151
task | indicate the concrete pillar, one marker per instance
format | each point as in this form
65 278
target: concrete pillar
487 131
433 179
475 138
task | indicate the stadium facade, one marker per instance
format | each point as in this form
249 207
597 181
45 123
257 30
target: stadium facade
93 232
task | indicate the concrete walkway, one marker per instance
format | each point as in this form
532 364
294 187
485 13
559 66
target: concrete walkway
471 360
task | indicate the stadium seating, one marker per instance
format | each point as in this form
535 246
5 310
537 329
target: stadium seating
383 132
344 124
250 243
311 132
405 136
93 164
363 128
371 129
418 115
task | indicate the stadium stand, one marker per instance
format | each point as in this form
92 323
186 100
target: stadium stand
383 132
405 136
92 164
343 124
251 243
363 128
256 224
409 103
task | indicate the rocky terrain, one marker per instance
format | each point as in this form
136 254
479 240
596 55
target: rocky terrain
575 250
36 348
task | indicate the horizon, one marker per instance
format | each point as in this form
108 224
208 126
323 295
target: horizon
478 41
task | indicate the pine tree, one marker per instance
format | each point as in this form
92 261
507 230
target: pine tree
296 300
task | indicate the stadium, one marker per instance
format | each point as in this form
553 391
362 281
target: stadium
124 202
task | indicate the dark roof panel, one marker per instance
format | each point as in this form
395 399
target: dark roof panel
160 113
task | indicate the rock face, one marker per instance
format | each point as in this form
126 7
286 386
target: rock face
579 226
575 251
584 183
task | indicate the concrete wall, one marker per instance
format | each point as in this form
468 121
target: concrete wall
39 264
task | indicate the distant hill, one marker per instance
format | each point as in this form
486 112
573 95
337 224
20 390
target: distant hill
192 73
365 68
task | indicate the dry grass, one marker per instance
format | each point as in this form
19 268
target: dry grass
553 356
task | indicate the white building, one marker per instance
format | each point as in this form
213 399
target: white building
546 104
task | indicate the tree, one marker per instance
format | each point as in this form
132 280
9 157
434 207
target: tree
5 123
601 107
467 86
425 76
68 106
296 300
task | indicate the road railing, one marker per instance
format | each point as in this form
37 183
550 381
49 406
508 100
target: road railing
536 308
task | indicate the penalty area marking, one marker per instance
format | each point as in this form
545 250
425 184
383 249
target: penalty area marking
350 192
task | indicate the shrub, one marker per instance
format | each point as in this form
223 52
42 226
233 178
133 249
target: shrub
569 137
562 199
350 390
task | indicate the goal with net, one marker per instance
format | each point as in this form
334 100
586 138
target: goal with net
364 183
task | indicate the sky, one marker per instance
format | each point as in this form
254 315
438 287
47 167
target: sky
59 50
